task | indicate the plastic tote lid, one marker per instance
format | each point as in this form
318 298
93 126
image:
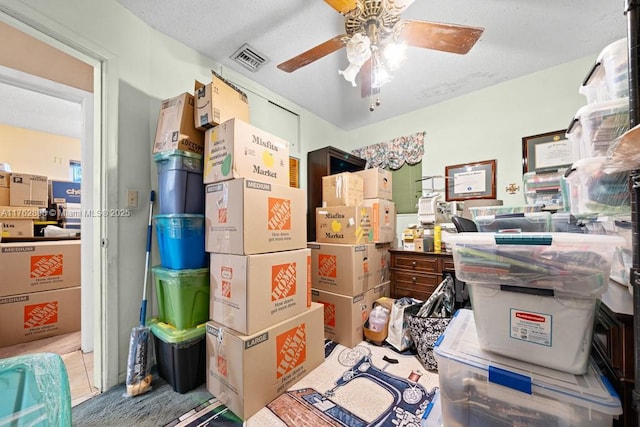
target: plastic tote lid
170 334
169 273
166 155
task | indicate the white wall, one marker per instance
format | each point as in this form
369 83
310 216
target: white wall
484 125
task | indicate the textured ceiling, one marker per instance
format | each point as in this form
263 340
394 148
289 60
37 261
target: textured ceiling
520 37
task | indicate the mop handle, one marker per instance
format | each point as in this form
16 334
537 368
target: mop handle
143 306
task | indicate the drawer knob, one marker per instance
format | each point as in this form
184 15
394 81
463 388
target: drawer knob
413 263
413 279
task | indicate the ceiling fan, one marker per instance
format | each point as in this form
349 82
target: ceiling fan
373 26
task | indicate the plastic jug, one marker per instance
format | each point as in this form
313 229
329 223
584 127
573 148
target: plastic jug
378 318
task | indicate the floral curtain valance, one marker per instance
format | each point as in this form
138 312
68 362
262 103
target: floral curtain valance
395 153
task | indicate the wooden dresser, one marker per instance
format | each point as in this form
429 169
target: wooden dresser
417 274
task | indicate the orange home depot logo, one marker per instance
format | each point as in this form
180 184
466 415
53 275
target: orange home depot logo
222 366
46 265
222 216
279 214
329 314
40 314
327 265
225 289
292 349
365 265
283 281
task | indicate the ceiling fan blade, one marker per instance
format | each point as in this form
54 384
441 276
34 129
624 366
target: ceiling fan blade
314 54
366 87
342 6
438 36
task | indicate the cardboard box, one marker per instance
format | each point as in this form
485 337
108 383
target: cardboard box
217 102
246 372
380 262
342 189
17 227
341 269
246 217
381 291
236 149
28 190
64 192
383 219
5 178
344 225
377 183
4 196
21 212
343 315
175 129
253 292
37 315
39 266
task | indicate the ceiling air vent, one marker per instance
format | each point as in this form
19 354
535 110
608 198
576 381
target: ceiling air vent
249 58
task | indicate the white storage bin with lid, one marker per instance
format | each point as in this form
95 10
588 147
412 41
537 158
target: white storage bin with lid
589 191
481 389
595 126
543 188
478 211
609 76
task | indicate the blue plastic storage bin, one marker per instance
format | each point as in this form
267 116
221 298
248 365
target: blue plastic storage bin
180 187
181 241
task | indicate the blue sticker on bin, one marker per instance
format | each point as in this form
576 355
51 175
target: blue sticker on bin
510 379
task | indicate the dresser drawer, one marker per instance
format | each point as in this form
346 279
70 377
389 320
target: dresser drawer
447 265
416 263
410 279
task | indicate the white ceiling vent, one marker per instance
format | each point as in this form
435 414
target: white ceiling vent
249 58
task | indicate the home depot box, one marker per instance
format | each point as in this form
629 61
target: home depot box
28 190
343 315
344 224
39 266
246 217
379 265
246 372
254 292
342 189
36 315
17 227
377 183
341 269
64 192
175 129
383 219
381 291
217 102
236 149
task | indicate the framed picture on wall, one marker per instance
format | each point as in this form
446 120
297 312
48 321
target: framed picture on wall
546 152
471 181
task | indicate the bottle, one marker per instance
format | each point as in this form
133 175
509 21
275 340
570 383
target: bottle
437 238
378 318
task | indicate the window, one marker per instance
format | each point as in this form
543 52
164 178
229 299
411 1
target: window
75 170
407 188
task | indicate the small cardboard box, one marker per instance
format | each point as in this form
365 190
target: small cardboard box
175 129
246 217
246 372
17 227
383 219
236 149
28 190
37 315
341 269
4 196
342 189
39 266
343 315
253 292
377 183
64 192
380 291
344 224
5 178
217 102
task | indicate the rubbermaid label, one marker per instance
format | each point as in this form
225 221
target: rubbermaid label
532 327
292 349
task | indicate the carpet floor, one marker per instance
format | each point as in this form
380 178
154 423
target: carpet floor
363 386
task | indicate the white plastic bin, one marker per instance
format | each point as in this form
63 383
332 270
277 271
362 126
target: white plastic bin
485 390
519 222
609 76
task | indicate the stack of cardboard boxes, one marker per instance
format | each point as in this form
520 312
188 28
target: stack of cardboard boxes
40 287
350 259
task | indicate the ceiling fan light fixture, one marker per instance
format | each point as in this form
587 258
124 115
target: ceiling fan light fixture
394 54
396 7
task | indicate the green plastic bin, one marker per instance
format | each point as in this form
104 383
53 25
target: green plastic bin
183 296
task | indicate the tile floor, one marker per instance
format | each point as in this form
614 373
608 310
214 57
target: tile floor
79 365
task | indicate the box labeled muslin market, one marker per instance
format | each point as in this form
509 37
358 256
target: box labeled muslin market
246 217
246 372
253 292
344 224
217 102
175 129
236 149
33 316
39 266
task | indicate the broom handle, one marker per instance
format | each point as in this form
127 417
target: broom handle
143 306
